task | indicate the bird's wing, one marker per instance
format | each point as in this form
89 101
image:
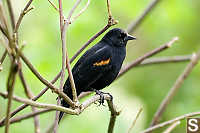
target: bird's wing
92 65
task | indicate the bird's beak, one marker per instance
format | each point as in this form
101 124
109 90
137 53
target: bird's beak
129 37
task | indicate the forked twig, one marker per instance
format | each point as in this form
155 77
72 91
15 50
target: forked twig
22 14
30 95
175 87
163 124
147 55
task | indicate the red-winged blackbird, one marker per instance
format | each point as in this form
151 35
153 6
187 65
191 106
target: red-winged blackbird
100 65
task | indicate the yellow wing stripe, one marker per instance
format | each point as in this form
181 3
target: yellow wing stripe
101 63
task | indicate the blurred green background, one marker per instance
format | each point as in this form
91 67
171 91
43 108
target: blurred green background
141 87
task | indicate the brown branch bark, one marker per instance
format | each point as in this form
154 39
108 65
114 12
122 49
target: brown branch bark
22 14
23 106
173 125
41 105
10 90
3 58
27 116
44 81
113 115
147 55
30 95
11 13
170 59
166 123
50 107
59 74
175 88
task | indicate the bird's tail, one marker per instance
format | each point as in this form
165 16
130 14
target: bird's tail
64 104
68 91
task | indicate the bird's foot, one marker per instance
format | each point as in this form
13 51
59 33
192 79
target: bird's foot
101 94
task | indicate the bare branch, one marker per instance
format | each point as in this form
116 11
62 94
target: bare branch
81 12
63 30
23 106
170 59
30 95
133 25
23 13
10 90
44 81
53 5
89 41
26 116
147 55
114 113
2 16
59 74
40 105
12 17
108 8
175 88
50 107
168 130
170 122
3 58
134 121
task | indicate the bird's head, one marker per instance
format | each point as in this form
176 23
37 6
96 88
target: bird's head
117 37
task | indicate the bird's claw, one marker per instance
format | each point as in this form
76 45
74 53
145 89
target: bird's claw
101 94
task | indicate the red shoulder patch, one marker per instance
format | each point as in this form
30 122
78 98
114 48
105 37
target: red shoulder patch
103 62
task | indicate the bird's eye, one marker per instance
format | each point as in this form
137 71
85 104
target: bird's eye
122 35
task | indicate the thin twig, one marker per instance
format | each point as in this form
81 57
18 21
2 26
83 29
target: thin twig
53 5
3 57
50 107
65 59
170 122
133 25
44 81
2 16
113 115
40 105
12 17
4 22
30 95
147 55
81 12
170 59
175 88
22 14
10 90
29 115
23 106
134 121
169 129
89 41
5 33
59 74
108 8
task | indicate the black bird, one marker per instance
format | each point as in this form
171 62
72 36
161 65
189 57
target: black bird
99 66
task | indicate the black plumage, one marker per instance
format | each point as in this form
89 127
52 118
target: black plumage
99 66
